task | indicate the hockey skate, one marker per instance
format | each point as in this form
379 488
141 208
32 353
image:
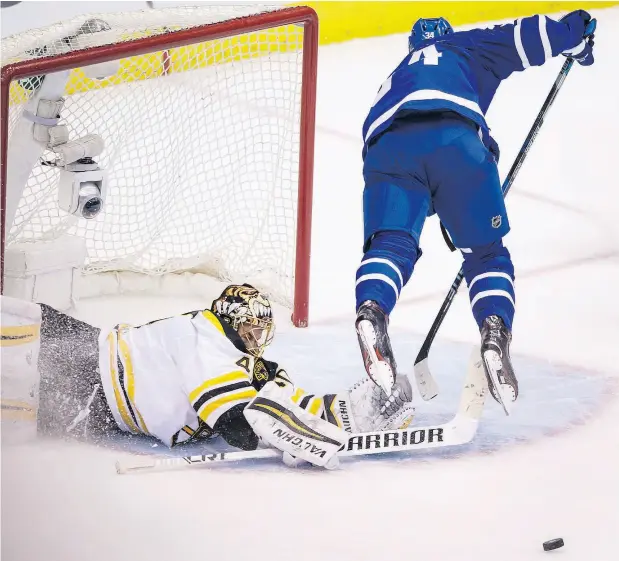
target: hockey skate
371 326
495 340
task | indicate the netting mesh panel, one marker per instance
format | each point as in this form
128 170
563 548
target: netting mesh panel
201 148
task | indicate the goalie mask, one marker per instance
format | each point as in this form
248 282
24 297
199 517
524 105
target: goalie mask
249 313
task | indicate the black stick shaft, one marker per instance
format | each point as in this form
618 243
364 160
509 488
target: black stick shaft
509 180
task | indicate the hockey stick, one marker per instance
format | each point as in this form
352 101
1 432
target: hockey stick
460 430
425 381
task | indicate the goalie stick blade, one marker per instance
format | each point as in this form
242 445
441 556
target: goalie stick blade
428 388
475 389
460 430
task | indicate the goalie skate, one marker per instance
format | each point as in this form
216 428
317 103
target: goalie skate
371 326
502 382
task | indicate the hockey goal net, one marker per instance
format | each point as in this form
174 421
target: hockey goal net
206 115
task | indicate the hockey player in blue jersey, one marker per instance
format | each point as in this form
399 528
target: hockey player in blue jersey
427 149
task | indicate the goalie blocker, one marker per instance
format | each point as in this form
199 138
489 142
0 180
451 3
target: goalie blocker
279 422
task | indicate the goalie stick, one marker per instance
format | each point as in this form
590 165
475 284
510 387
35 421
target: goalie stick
426 383
460 430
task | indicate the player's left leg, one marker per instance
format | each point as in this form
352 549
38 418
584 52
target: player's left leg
72 401
395 203
468 199
386 267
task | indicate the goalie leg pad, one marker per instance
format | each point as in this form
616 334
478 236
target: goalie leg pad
281 423
19 387
72 400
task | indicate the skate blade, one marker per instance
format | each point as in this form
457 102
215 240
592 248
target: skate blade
493 364
379 371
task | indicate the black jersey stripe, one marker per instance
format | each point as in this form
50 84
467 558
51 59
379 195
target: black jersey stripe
305 401
121 382
207 396
330 417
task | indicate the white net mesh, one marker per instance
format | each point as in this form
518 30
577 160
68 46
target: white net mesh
201 147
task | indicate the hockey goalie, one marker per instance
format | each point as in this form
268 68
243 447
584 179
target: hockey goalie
181 379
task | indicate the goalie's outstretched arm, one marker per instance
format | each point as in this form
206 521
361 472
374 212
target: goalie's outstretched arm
314 428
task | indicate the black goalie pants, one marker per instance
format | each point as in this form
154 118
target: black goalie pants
72 402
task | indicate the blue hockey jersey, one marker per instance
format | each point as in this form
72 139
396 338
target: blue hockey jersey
461 71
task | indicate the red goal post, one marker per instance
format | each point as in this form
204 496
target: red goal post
165 41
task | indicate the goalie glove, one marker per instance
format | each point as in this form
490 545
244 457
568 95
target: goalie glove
277 419
362 408
365 407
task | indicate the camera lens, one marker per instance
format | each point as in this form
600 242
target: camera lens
90 201
92 207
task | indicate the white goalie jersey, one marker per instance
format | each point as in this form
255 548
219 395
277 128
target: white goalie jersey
174 378
190 376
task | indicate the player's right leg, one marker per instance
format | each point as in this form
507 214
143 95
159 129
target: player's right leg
489 273
468 198
395 204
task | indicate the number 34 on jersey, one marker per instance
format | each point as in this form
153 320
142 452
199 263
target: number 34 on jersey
428 55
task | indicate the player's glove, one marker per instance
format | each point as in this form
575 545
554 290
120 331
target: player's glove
577 21
581 25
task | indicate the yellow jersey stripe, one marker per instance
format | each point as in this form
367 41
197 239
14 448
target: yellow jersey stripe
210 316
209 408
128 364
297 395
126 417
315 406
229 377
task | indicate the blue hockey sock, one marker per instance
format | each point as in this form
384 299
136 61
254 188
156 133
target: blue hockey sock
386 267
489 273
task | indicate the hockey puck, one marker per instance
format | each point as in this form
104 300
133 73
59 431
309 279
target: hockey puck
553 544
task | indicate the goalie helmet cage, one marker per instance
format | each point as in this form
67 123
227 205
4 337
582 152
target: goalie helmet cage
242 79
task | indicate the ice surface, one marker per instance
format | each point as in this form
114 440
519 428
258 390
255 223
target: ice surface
550 470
